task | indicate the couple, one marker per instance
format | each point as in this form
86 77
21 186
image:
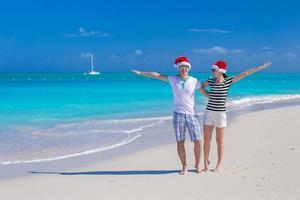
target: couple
184 87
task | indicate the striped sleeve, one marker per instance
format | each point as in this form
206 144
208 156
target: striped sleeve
211 81
229 80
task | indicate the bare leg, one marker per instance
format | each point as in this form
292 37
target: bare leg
207 138
197 152
220 145
182 156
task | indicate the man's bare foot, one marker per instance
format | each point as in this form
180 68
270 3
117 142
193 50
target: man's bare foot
206 166
183 171
205 169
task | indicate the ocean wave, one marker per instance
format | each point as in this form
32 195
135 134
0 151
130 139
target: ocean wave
94 127
161 118
132 128
123 142
266 99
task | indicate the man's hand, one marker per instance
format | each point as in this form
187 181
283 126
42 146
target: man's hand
136 72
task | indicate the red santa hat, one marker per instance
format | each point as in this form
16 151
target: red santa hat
220 66
180 61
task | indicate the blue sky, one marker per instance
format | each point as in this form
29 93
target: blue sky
148 35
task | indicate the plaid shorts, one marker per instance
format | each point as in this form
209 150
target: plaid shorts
182 122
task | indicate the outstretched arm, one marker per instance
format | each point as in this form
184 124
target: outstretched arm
151 75
250 71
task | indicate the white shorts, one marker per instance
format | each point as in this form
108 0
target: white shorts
215 118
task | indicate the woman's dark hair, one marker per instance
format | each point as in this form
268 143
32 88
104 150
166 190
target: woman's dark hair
224 76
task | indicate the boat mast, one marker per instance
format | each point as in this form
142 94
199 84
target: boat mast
92 62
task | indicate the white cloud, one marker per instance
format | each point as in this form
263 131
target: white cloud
236 51
213 50
209 30
83 33
265 48
290 56
138 52
218 51
81 30
86 55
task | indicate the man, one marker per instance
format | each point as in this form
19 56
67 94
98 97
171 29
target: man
183 87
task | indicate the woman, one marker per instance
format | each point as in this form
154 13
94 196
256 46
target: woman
215 114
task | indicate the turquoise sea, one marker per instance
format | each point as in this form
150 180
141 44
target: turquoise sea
51 116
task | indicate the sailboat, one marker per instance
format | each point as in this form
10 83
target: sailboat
92 71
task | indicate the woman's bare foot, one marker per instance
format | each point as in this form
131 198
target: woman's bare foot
198 169
183 171
217 169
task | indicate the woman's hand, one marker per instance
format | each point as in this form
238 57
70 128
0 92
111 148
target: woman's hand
266 65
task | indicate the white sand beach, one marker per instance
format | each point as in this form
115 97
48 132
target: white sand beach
261 162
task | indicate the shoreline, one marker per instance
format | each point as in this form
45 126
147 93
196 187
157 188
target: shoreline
147 141
256 155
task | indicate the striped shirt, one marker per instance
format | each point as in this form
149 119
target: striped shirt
218 94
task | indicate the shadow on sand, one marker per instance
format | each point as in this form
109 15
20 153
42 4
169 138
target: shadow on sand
132 172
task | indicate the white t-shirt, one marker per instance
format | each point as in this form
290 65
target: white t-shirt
184 93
